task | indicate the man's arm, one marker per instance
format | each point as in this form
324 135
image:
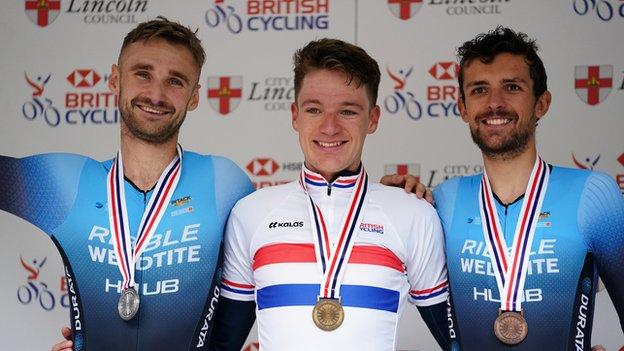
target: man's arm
236 311
426 271
601 221
233 322
40 189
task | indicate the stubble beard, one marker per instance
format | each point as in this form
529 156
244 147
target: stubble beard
159 136
512 145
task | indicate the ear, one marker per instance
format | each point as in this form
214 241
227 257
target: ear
113 79
461 104
194 100
542 104
373 119
294 111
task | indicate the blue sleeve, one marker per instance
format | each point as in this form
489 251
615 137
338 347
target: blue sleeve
444 196
40 189
237 185
601 221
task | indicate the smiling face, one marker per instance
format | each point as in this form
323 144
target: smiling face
156 83
333 119
499 105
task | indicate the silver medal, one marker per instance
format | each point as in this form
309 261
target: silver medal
128 304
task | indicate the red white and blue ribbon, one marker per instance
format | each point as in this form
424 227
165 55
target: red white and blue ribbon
510 266
333 261
128 252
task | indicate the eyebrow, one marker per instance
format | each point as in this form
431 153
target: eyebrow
505 80
148 67
344 104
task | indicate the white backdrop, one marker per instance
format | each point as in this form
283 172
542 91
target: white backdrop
53 97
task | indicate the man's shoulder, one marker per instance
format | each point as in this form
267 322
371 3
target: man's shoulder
396 202
265 199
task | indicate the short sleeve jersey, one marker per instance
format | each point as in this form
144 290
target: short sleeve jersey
66 196
579 236
270 257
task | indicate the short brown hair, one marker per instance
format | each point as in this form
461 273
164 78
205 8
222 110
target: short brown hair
337 55
486 46
172 32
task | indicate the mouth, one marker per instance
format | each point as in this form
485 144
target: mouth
496 121
329 145
153 110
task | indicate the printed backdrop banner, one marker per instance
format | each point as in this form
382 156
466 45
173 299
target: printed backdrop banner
57 56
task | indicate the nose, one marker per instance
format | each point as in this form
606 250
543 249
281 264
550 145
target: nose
496 100
330 124
156 93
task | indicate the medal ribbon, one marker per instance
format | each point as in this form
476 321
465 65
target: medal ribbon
333 265
128 252
510 267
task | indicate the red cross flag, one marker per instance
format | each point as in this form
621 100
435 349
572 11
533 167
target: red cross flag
593 83
404 9
42 12
225 93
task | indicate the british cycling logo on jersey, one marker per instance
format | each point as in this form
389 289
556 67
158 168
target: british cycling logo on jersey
37 292
440 96
86 100
268 15
372 228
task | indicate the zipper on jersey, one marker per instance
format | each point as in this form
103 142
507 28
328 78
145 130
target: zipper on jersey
329 187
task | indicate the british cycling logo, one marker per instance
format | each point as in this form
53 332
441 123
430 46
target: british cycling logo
605 10
37 291
586 163
406 9
441 96
85 102
268 15
265 171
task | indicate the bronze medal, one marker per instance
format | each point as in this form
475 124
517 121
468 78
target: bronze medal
128 304
510 327
328 314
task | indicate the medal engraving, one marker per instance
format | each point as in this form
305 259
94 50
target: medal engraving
510 327
328 314
128 304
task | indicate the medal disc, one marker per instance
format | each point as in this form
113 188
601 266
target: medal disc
128 304
328 314
510 327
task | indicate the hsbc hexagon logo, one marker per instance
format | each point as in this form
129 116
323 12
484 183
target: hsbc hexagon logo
83 78
447 70
262 167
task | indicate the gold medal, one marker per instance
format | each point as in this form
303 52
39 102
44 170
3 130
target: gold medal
328 314
510 327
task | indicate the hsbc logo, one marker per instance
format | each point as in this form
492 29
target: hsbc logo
446 70
262 167
84 78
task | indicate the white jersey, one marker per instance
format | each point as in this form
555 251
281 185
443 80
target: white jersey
270 258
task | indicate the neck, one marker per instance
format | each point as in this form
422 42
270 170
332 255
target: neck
509 177
144 162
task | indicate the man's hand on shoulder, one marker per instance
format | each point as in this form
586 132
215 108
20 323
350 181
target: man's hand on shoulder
65 345
410 183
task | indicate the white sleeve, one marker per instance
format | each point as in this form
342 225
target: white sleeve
426 262
237 282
